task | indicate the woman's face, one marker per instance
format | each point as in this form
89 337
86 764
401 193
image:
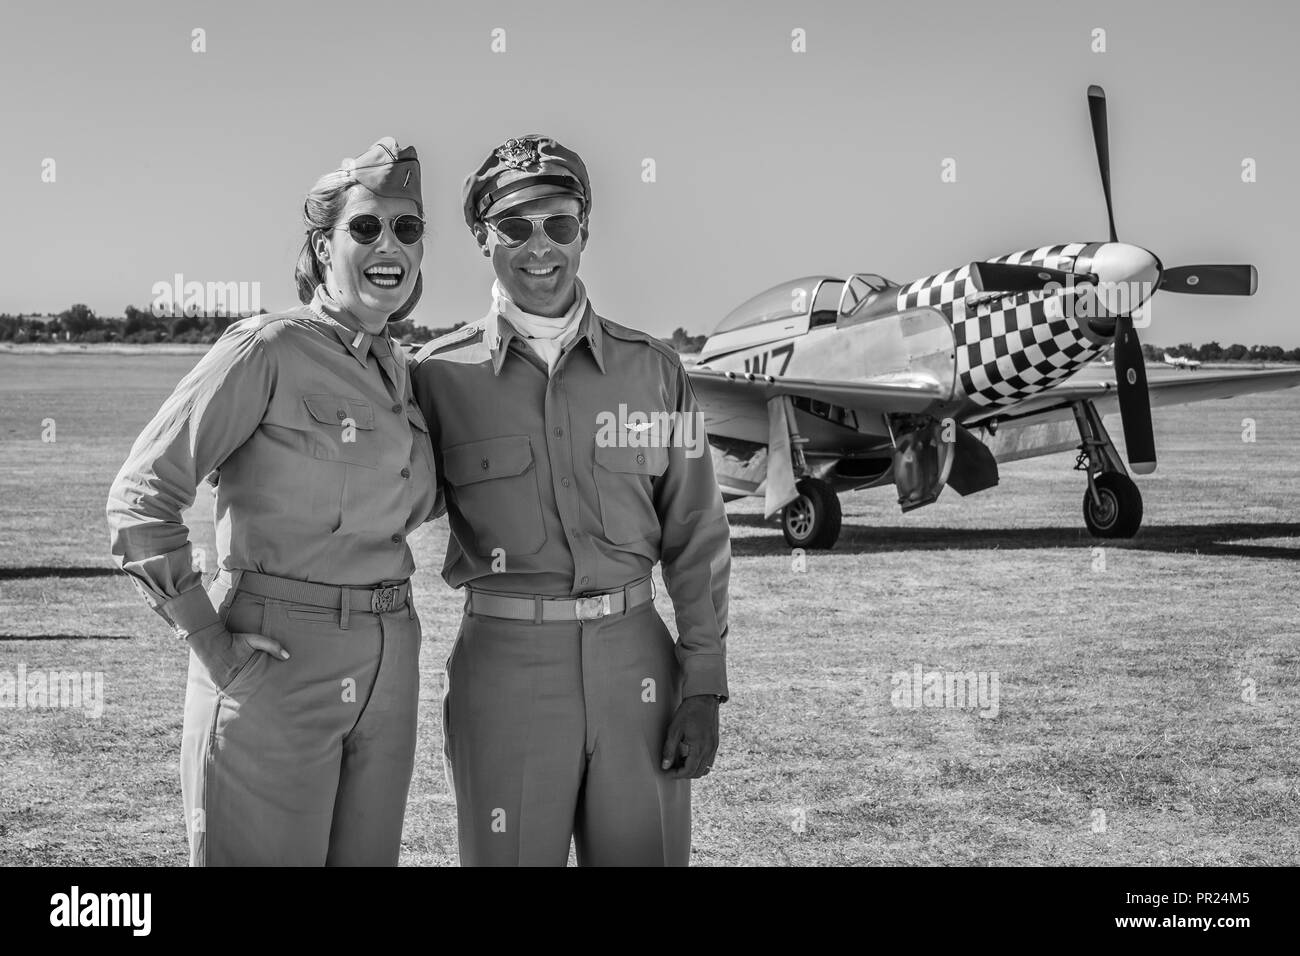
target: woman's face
370 281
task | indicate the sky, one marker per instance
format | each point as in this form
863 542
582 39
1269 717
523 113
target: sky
768 163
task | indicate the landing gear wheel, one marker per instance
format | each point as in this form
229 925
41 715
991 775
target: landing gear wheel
813 519
1120 513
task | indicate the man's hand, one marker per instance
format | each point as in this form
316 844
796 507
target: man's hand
223 653
692 738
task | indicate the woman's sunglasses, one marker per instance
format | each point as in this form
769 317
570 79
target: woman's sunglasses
365 229
514 231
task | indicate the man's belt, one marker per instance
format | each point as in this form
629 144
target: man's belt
378 600
540 609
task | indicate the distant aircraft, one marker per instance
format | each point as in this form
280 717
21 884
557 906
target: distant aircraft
821 385
1181 361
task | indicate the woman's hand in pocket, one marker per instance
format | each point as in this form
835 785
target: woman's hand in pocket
261 642
220 653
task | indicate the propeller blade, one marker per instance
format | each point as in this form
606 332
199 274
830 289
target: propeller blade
1210 280
1134 399
1005 277
1100 138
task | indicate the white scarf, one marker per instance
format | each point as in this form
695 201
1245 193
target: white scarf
545 335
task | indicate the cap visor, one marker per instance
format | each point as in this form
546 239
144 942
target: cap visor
528 194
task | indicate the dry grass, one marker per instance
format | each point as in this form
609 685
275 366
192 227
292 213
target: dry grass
1120 689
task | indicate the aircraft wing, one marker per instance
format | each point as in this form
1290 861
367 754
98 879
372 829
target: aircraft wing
1054 403
735 403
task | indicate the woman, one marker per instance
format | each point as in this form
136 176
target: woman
300 713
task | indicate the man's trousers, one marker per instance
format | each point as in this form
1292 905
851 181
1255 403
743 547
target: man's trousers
555 731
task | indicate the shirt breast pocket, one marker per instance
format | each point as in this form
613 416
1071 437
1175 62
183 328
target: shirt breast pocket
345 429
494 488
625 482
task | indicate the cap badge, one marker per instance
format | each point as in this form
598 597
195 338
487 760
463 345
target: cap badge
519 153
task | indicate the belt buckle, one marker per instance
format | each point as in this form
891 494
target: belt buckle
383 600
592 608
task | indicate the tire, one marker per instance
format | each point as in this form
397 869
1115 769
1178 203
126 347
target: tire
1120 514
813 519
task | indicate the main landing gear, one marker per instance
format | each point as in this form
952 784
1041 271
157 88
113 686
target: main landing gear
1112 505
813 519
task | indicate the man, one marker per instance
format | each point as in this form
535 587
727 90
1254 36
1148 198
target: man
575 460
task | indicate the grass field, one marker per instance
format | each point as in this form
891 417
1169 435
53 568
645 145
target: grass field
1148 691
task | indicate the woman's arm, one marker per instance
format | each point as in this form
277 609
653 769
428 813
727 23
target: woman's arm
214 410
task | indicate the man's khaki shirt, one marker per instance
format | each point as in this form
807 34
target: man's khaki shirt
556 485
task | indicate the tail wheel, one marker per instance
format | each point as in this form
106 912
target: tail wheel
813 519
1119 514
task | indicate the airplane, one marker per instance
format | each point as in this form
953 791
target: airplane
822 385
1181 361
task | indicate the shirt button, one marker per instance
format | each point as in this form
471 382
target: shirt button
565 482
397 539
583 581
640 459
342 414
559 432
397 407
485 463
406 473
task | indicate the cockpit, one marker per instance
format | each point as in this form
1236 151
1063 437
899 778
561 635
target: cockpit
862 290
796 307
780 303
822 298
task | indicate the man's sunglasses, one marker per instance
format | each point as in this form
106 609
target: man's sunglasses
514 231
365 228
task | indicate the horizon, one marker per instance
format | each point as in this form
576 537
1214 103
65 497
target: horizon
767 163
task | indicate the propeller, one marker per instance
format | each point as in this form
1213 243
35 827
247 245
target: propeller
1115 267
1130 365
1210 280
1005 277
1101 139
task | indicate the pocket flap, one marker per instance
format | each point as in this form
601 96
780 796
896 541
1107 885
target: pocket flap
633 461
490 458
333 409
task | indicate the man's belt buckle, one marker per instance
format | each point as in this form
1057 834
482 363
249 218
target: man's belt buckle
591 608
383 600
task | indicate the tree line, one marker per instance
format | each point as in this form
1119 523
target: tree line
140 326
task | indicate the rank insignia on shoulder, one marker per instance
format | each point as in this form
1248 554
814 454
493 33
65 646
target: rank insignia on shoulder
458 336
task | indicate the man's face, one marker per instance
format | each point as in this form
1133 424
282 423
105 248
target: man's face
539 274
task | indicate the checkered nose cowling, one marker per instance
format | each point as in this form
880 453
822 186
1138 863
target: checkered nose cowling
1010 346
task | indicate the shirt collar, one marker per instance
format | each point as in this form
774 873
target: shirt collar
354 338
588 328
